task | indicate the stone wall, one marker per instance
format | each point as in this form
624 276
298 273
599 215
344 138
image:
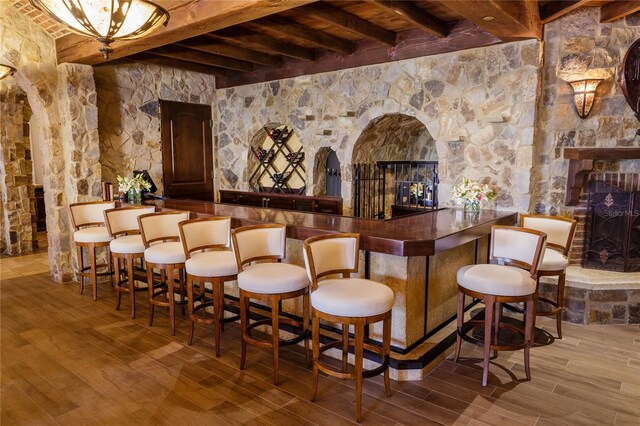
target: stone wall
128 113
578 46
479 106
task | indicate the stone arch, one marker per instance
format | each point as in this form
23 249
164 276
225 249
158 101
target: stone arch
318 172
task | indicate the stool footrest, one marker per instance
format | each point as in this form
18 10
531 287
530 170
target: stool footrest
469 325
281 342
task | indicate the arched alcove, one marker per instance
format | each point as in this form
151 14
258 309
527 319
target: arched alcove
383 191
326 173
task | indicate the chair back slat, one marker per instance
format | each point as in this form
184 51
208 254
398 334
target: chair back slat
91 213
517 246
161 226
124 220
259 242
559 230
331 254
205 233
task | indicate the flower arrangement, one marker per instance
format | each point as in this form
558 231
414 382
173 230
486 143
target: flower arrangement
470 193
416 190
133 187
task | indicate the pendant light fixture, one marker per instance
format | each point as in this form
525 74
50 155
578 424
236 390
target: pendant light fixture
6 71
106 20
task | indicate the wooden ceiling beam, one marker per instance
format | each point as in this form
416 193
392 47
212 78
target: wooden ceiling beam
188 19
617 10
174 63
178 52
556 9
509 20
351 22
414 15
245 38
216 47
298 31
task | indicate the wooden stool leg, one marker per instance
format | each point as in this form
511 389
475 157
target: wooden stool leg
315 336
80 268
116 260
459 322
181 273
305 326
489 302
94 276
528 334
132 285
191 307
150 288
386 350
110 265
359 360
345 346
275 329
221 315
497 317
216 312
171 300
244 323
560 302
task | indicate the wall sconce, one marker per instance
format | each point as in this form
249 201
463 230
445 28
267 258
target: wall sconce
584 93
6 71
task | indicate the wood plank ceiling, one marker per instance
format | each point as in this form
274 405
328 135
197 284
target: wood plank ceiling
246 41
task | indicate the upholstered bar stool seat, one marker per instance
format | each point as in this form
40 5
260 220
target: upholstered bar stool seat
127 246
560 231
269 278
212 264
207 247
352 297
96 234
515 255
496 279
259 250
171 252
355 302
90 234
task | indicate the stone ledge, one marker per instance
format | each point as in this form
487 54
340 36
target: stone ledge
594 279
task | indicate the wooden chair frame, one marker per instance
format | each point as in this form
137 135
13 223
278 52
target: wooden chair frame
493 310
217 300
557 305
91 271
166 286
276 301
359 323
128 273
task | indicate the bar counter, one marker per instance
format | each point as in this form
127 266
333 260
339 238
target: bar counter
417 256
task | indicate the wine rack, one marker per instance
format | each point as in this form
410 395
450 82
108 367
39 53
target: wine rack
280 163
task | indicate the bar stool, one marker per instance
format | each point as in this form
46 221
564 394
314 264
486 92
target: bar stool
348 301
272 281
126 245
207 243
515 256
90 232
560 231
164 251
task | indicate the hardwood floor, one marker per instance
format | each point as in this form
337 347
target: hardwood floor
68 360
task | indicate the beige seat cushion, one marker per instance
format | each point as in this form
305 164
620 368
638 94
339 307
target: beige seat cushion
496 280
212 264
171 252
127 244
352 297
94 234
553 260
273 278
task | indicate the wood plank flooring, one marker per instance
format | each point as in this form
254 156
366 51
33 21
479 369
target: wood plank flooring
68 360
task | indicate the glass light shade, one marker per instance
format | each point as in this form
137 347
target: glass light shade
6 71
106 20
584 93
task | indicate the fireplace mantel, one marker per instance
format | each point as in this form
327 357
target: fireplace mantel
581 163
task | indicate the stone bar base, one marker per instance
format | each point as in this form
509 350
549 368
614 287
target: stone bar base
598 297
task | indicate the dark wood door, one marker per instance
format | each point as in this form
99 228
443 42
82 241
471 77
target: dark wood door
187 153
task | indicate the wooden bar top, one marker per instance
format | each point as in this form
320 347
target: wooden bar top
414 235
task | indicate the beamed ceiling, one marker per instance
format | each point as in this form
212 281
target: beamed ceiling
247 41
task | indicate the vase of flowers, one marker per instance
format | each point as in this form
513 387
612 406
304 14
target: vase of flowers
470 194
132 187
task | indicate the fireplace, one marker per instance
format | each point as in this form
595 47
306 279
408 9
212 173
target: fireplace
612 231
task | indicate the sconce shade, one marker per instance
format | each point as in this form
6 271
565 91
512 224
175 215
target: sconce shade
584 93
6 71
106 20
